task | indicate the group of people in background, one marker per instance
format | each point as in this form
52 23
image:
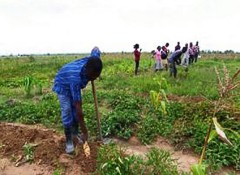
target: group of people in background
163 58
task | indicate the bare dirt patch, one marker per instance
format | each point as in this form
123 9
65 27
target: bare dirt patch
49 153
186 99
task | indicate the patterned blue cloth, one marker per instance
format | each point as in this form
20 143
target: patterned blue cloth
71 78
68 111
96 52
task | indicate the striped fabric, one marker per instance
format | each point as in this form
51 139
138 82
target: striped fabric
71 78
96 52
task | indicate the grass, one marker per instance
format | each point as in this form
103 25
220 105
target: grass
124 99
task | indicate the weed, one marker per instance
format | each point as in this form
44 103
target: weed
160 162
28 151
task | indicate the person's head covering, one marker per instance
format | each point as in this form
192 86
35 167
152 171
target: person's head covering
96 52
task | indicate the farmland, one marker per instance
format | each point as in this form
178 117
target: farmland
146 107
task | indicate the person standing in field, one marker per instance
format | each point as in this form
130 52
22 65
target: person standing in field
174 60
166 45
158 61
68 82
177 47
196 51
191 53
164 55
185 59
137 55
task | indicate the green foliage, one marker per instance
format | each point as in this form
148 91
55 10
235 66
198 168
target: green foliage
148 129
28 150
199 169
122 120
161 162
113 160
46 112
119 123
124 101
57 172
28 85
220 154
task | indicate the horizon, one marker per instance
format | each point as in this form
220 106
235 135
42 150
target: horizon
117 52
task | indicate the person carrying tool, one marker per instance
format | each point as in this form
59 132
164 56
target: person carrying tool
69 81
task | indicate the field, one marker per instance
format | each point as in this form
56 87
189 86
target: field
157 123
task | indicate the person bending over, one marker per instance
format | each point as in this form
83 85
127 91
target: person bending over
69 81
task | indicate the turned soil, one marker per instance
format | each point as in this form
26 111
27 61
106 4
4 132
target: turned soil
49 154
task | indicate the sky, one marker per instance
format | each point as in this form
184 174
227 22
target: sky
76 26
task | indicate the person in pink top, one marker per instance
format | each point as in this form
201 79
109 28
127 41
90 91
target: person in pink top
158 64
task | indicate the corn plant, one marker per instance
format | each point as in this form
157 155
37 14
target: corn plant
31 83
225 85
159 99
28 85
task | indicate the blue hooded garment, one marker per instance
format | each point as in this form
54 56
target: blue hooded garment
96 52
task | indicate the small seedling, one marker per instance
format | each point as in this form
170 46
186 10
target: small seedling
28 151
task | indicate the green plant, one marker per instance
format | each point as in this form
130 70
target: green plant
39 87
120 123
148 129
57 172
225 86
199 169
113 161
31 58
159 99
161 162
28 151
28 85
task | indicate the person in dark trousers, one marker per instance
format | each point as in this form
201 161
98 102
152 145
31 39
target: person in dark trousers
191 53
177 47
137 55
196 51
164 55
68 82
174 60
